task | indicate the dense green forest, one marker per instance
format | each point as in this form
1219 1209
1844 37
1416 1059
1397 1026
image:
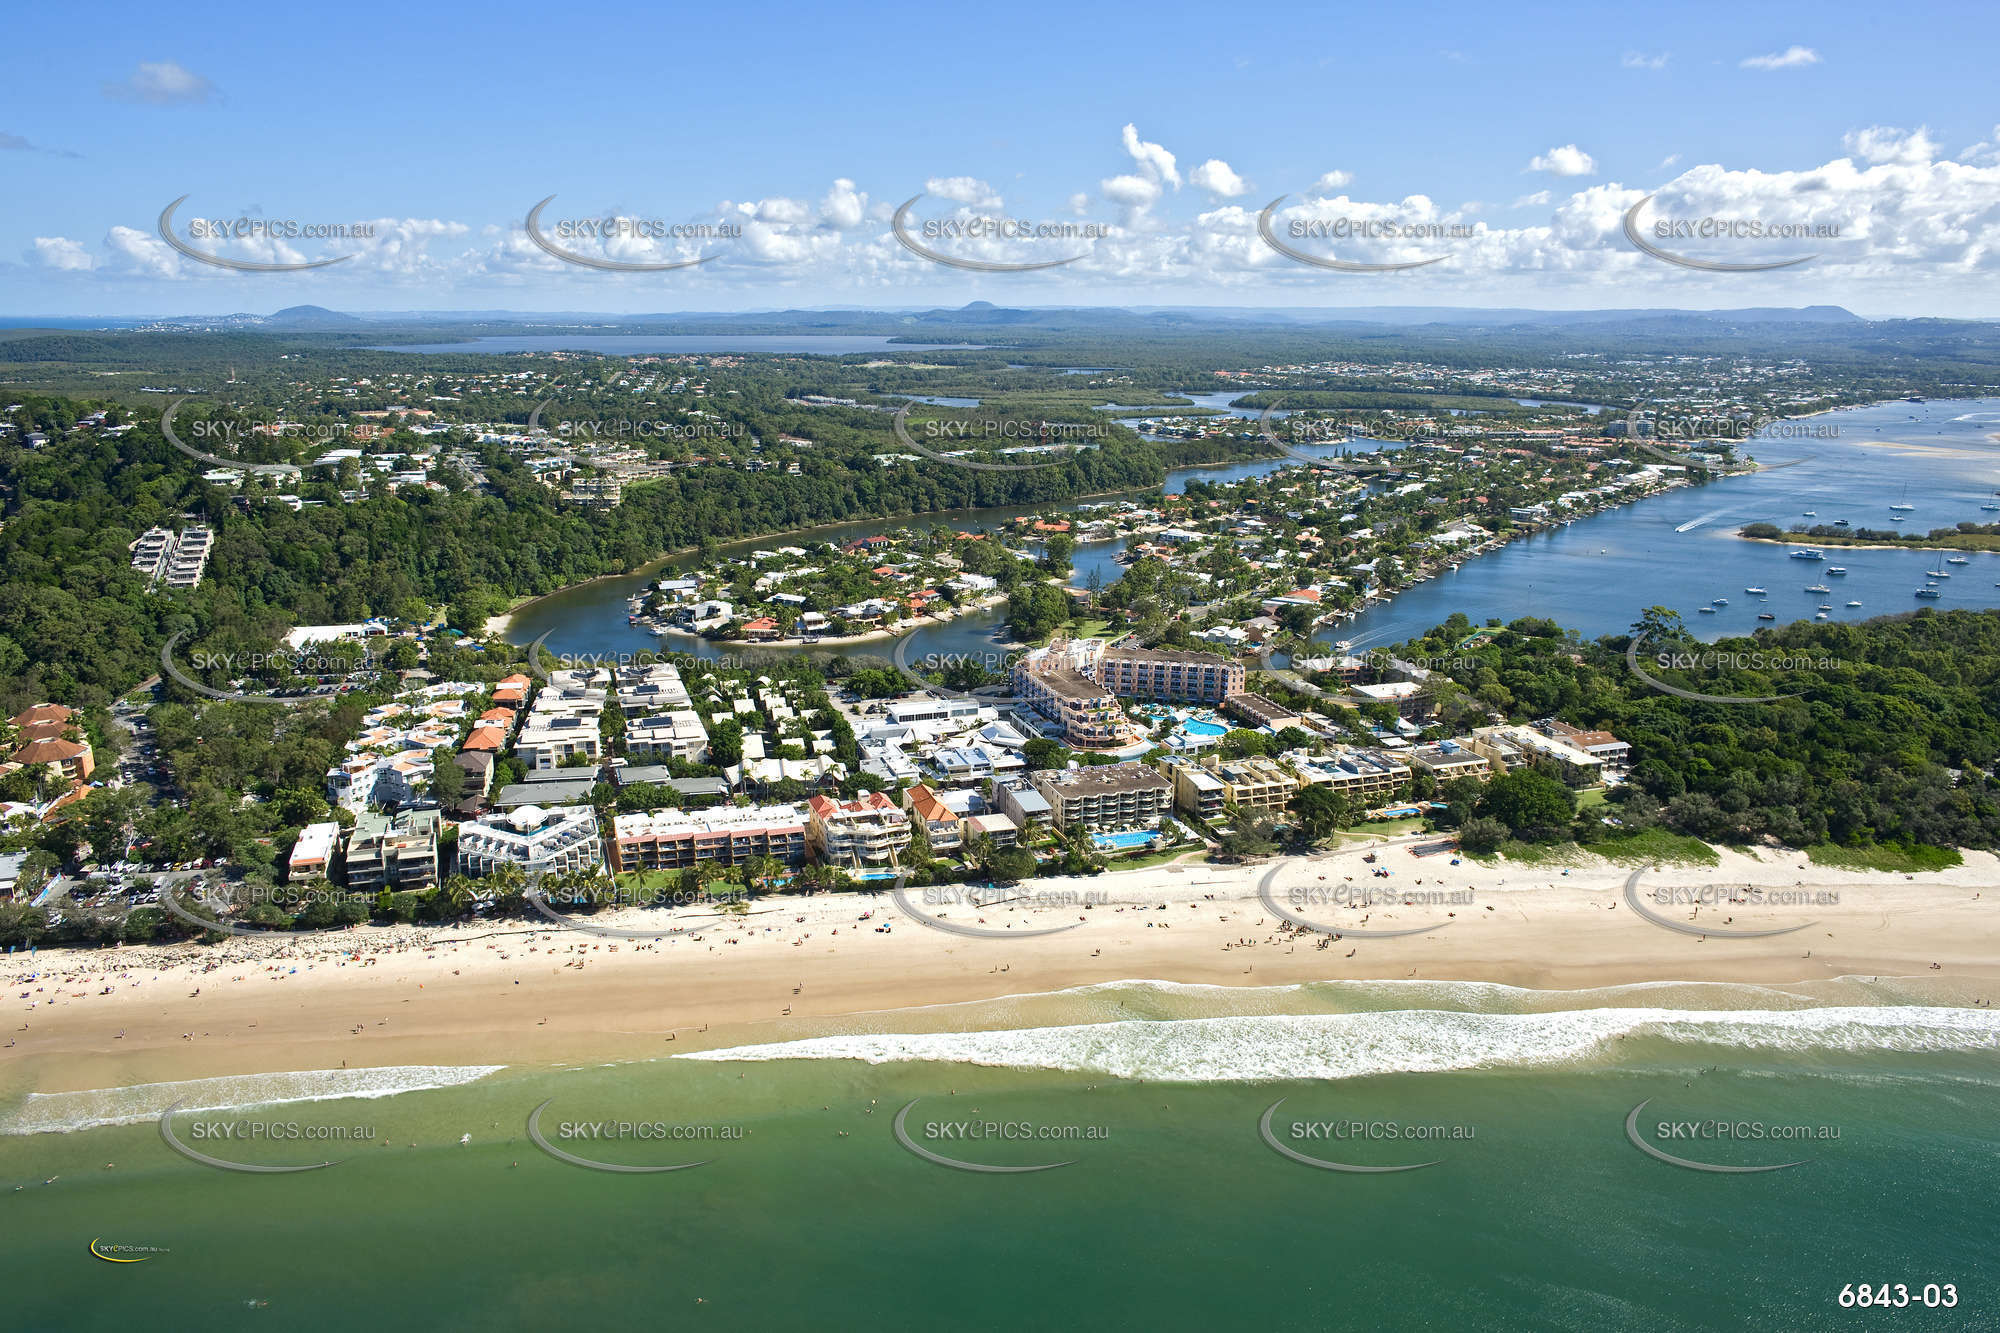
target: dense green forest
1890 734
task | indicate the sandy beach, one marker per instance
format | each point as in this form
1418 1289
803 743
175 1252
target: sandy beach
510 992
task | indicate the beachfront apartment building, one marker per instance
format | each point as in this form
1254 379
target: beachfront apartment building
1446 760
942 825
1615 754
1510 747
1254 783
1198 793
398 851
1019 801
731 835
1106 796
539 840
871 830
1350 772
313 852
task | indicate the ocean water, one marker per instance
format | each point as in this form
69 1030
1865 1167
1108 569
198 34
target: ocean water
1170 1208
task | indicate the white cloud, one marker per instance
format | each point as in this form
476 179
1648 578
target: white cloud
1333 180
1539 199
162 83
1987 152
1216 177
1154 161
1568 160
844 206
1668 161
1078 202
1789 58
968 190
62 254
1639 60
1134 192
1885 143
143 252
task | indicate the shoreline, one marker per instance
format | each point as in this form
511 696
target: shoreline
530 993
1835 544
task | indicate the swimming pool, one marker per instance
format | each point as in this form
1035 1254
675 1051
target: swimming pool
872 874
1196 728
1124 842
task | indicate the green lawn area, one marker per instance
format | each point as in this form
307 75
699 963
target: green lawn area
1159 858
1590 800
1893 859
640 881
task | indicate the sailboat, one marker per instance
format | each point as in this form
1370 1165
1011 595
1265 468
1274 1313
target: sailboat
1903 506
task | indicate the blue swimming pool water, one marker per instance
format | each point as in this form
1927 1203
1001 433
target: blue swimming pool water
1194 728
1124 841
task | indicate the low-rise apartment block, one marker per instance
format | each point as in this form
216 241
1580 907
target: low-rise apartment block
869 831
537 839
731 835
398 851
1106 796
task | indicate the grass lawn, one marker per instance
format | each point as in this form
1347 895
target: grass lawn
1894 859
640 881
1159 858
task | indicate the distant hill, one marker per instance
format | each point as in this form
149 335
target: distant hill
309 317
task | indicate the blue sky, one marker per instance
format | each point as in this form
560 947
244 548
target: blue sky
1520 137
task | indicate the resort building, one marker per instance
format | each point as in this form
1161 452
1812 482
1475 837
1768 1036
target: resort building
869 831
731 835
537 839
1106 796
1168 673
52 734
397 851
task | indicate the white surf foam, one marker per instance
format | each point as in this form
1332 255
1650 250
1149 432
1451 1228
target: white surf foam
61 1112
1333 1046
